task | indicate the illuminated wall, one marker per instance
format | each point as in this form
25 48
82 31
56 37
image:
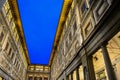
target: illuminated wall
85 27
38 72
13 62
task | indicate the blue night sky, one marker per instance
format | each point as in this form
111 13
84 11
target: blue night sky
40 19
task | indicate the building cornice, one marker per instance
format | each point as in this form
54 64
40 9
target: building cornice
17 18
64 12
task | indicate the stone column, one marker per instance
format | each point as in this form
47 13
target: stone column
42 77
32 77
108 64
71 76
77 74
91 68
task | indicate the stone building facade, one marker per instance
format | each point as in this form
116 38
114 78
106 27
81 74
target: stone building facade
38 72
13 59
86 45
87 42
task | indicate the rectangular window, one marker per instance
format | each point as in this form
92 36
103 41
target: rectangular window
17 65
6 6
7 45
46 68
1 36
17 37
13 26
84 7
12 56
15 61
100 9
74 27
41 68
70 36
15 33
88 29
10 50
9 16
21 48
90 1
31 68
66 43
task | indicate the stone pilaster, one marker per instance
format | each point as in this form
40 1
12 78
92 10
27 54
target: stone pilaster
88 68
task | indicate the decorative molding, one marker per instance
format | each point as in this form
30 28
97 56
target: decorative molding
100 9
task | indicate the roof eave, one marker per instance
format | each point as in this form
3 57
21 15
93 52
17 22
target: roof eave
16 15
64 12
